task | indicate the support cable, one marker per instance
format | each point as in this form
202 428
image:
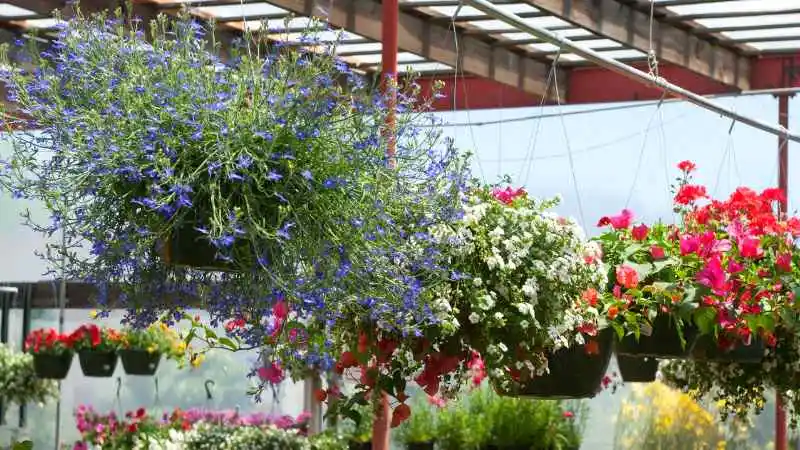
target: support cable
642 148
581 215
492 10
457 67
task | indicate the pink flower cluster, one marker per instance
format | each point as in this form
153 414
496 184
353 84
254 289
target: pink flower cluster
508 195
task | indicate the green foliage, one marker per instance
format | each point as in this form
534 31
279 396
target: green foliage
421 426
485 419
18 381
358 425
22 445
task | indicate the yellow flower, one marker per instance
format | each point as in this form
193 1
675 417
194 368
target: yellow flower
152 349
197 359
93 314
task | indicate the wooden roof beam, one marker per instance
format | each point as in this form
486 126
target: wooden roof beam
435 42
673 45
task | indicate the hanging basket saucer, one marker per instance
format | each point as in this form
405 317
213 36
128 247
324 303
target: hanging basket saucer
664 342
97 364
52 367
707 349
139 362
573 373
637 369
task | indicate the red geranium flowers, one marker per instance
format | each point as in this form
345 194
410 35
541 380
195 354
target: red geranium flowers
733 259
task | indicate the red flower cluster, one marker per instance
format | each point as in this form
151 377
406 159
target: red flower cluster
94 337
372 355
736 251
85 337
47 341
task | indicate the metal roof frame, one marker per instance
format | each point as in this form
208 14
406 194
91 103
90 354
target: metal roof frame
707 46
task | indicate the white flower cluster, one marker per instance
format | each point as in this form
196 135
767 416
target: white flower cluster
524 270
18 381
175 440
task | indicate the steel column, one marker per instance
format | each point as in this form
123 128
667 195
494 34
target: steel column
381 426
783 185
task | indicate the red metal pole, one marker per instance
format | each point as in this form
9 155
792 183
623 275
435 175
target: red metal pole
381 427
783 185
389 22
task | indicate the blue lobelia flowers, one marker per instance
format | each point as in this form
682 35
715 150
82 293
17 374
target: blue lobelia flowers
158 158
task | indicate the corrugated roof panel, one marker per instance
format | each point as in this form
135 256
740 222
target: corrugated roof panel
764 33
775 45
750 21
736 6
277 25
9 10
426 67
241 10
515 8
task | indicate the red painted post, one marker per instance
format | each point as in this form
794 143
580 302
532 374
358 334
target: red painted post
783 185
389 22
390 18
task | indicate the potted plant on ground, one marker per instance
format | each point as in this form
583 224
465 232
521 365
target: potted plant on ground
522 424
19 382
141 349
419 431
724 272
97 349
52 353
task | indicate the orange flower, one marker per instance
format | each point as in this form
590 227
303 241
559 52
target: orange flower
590 296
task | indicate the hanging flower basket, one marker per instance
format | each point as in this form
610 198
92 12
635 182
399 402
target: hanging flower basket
664 341
634 369
54 367
97 364
707 349
139 362
573 372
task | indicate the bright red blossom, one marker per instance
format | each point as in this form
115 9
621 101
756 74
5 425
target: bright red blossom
690 193
686 166
627 276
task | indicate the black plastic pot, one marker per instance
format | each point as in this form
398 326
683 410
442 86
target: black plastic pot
188 247
360 445
573 372
139 362
53 367
706 349
663 343
420 445
634 369
97 364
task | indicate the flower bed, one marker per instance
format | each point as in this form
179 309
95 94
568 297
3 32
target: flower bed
193 428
